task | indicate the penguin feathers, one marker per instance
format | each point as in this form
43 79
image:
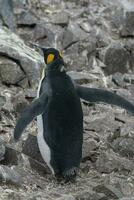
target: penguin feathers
35 108
100 95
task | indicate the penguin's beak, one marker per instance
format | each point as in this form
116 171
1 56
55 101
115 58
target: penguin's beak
40 47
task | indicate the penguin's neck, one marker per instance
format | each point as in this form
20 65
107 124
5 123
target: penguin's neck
54 69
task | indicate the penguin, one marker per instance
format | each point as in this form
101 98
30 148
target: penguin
60 117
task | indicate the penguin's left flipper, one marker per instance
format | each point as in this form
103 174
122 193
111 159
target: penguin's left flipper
100 95
37 107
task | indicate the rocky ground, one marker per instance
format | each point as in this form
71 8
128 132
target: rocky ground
97 40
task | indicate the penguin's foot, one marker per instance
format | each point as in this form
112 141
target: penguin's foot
70 174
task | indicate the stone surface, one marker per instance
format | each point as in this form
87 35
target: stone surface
6 14
109 191
109 162
61 19
2 151
66 197
10 72
127 28
26 19
29 60
124 146
116 59
8 175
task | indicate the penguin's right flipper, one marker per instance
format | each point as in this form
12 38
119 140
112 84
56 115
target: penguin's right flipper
37 107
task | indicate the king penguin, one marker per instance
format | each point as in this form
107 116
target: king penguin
60 117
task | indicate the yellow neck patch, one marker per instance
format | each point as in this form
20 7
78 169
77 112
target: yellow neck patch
50 58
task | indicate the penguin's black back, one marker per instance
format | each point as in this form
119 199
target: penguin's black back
63 122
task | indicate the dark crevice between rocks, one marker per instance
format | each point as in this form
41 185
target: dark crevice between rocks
69 45
41 38
119 120
26 26
18 63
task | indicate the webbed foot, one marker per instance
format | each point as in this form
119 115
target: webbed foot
70 174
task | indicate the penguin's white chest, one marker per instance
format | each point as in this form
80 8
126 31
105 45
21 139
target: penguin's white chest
43 146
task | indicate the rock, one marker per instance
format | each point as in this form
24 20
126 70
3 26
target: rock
66 197
89 148
2 101
118 79
8 175
28 60
77 32
10 72
12 156
19 102
108 162
116 59
43 35
124 146
128 78
26 19
30 93
2 151
80 77
31 149
127 28
6 13
102 123
21 5
91 195
127 198
60 18
109 190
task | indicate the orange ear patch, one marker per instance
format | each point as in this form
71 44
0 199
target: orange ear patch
50 58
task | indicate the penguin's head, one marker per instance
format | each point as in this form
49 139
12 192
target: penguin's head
53 59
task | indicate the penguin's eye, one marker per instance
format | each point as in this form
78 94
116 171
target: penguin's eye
50 58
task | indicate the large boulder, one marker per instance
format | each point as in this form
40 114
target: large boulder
22 61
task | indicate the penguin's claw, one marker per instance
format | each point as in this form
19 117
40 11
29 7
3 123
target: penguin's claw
70 175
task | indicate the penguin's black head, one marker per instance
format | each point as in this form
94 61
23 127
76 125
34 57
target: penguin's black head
53 59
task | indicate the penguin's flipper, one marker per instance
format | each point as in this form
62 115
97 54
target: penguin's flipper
37 107
100 95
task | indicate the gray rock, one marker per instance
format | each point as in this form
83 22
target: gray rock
116 59
2 151
2 101
91 195
6 13
118 79
43 35
12 156
61 18
127 28
109 190
77 32
89 148
21 5
124 146
10 72
26 19
66 197
19 102
31 149
80 77
8 175
29 61
108 162
127 198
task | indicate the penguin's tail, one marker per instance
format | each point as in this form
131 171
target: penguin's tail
100 95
